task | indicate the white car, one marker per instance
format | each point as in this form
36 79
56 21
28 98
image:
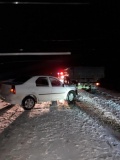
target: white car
27 91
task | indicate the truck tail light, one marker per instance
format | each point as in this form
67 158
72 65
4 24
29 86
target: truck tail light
97 84
13 90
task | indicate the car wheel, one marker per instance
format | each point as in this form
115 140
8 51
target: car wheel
71 97
28 103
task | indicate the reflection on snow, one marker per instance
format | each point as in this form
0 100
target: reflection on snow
39 109
15 111
9 116
46 107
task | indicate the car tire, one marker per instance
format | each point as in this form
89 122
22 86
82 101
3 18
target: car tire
28 103
71 97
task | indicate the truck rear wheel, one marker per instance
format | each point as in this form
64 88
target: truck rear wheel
54 103
71 97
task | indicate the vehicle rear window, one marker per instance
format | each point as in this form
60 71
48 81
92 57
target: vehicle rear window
20 80
42 81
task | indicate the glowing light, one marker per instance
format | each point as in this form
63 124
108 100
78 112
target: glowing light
62 77
97 84
16 2
35 53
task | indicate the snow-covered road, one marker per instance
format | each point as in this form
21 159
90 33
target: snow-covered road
103 105
60 133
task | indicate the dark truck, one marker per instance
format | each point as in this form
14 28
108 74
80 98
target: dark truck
87 78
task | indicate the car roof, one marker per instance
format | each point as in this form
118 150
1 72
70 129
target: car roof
36 76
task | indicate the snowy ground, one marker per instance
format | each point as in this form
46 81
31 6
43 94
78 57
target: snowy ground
62 132
103 105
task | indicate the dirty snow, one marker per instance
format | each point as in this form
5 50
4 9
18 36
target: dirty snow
62 132
106 106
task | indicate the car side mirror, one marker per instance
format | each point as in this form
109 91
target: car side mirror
63 85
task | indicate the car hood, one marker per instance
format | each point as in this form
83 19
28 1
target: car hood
73 87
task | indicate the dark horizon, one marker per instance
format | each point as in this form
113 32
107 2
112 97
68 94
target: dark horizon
88 29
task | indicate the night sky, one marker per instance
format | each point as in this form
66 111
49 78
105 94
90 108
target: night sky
89 29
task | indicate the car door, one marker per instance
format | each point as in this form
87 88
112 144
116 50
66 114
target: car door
43 89
58 90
